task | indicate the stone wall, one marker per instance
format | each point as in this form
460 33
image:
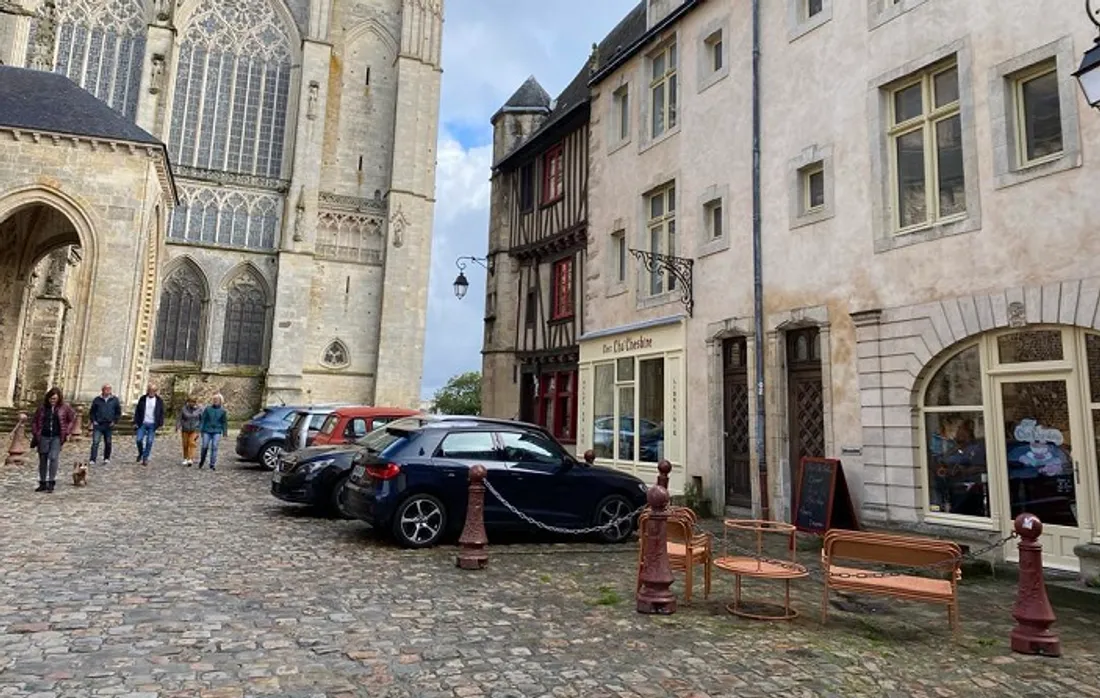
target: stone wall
242 392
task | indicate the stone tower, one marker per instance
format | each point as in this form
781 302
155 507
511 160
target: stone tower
513 123
411 206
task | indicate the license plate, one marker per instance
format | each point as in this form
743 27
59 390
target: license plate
357 473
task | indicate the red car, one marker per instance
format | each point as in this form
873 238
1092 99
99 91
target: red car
348 424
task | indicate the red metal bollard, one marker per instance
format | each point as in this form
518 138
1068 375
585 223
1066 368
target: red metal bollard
19 445
590 457
78 426
654 595
663 469
472 554
1033 613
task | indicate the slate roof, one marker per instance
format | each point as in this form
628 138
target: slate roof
41 101
529 94
626 32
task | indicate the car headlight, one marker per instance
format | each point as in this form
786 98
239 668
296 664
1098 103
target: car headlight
316 465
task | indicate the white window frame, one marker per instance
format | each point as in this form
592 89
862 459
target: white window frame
813 159
799 20
618 259
712 37
1035 72
621 126
669 84
926 123
706 241
1009 168
664 227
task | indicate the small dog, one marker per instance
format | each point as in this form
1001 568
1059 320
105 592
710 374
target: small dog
80 474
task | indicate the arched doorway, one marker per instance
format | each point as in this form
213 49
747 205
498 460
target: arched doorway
1009 423
43 284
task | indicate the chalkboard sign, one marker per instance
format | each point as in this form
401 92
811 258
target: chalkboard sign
822 500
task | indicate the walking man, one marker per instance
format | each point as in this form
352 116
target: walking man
105 412
214 424
148 417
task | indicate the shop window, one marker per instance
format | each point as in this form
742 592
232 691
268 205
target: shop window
629 401
556 401
954 422
563 289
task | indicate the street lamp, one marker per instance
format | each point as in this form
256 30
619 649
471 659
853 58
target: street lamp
462 285
1088 75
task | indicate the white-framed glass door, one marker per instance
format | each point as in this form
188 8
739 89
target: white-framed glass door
1040 442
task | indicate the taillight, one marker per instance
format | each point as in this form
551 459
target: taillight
249 427
384 472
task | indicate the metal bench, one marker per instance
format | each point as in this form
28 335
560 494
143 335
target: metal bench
892 550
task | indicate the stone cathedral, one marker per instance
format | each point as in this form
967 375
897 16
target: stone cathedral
253 215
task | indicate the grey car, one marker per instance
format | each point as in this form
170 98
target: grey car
263 438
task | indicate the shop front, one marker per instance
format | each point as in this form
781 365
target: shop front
631 409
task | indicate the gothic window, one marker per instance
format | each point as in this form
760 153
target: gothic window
336 355
181 316
245 320
100 45
223 216
232 89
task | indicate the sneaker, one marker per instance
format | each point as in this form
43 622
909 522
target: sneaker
91 462
138 459
106 461
145 463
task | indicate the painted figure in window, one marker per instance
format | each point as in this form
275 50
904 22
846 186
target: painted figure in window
957 457
1042 450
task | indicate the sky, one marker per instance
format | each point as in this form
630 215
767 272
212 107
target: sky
489 48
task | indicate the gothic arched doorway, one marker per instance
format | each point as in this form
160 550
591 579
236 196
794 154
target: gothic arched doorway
43 285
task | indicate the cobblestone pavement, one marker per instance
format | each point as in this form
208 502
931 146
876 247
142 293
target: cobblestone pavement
166 581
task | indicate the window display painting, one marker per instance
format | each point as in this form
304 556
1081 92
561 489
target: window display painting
1038 448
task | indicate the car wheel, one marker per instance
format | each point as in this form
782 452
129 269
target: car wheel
270 455
420 521
332 506
614 508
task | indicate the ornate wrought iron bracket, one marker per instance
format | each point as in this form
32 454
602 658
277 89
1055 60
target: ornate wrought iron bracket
680 268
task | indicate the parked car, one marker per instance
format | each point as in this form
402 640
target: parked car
314 475
305 424
410 479
347 425
651 436
263 437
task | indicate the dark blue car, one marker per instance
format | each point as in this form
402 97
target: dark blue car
410 479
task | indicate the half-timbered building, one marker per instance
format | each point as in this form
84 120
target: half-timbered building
538 234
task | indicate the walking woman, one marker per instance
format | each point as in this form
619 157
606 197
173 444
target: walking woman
187 425
53 423
214 424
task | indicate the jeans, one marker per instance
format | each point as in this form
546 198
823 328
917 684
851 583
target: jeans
146 434
49 457
210 441
101 432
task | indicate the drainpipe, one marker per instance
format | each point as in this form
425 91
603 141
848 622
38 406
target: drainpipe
757 269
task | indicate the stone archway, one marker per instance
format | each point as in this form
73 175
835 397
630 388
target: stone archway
45 274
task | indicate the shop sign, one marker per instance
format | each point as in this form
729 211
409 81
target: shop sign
620 346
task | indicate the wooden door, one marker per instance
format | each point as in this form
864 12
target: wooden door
735 422
805 400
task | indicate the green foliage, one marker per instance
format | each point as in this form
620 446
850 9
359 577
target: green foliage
461 395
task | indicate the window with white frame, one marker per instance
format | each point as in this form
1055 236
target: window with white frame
661 233
813 188
663 90
813 8
618 256
712 219
1038 114
716 51
100 46
620 114
926 153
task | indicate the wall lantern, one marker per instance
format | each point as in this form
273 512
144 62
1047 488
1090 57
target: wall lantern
462 285
1088 75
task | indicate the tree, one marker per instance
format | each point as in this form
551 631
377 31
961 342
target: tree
461 395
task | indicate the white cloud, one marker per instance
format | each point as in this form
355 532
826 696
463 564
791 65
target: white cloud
489 49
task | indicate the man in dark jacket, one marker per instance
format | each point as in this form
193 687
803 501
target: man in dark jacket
104 414
148 417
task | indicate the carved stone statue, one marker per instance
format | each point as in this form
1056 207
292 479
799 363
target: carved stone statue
162 11
299 215
157 76
44 36
398 223
314 96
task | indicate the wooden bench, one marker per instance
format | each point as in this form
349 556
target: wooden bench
888 549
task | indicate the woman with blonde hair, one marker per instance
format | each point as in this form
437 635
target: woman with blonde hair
214 424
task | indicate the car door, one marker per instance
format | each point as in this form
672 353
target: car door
355 430
539 480
459 451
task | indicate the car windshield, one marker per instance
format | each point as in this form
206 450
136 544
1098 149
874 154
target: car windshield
381 439
330 424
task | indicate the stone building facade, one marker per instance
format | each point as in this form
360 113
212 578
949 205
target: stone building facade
302 136
929 279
